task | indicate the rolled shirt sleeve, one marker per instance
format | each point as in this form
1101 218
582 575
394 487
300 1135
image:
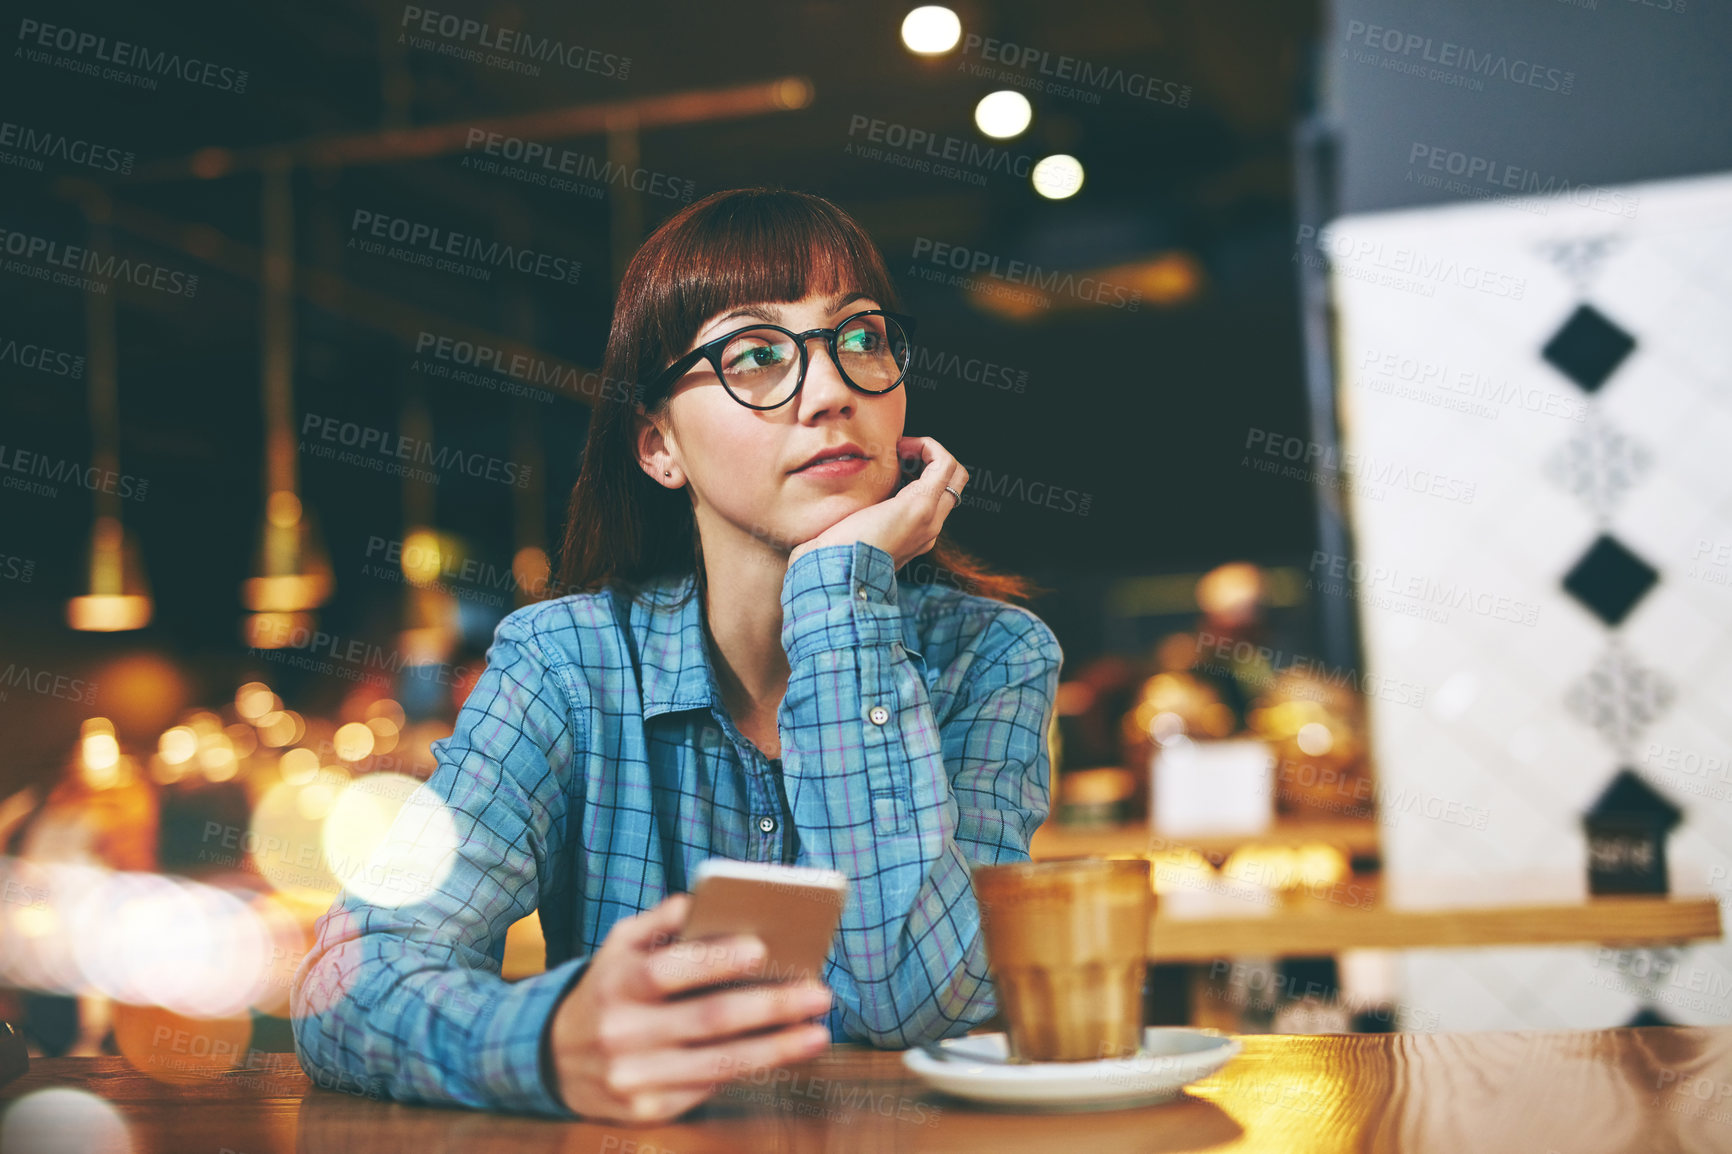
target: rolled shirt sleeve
901 801
406 1000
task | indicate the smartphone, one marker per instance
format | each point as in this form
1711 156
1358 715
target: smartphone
794 910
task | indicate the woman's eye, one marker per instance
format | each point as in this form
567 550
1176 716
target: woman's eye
754 357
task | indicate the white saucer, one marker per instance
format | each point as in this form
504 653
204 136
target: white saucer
1171 1058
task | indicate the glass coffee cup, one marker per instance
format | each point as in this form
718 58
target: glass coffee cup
1066 942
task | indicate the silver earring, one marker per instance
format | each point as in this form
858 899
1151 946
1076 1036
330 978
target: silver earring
665 473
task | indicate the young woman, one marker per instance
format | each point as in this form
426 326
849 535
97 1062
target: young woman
740 674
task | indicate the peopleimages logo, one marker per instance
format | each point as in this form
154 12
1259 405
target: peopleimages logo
1482 175
427 244
1327 464
1054 281
928 363
452 356
29 355
382 443
47 683
25 147
1015 488
921 148
539 163
28 471
1410 52
1397 266
1069 68
43 259
504 48
1460 390
145 63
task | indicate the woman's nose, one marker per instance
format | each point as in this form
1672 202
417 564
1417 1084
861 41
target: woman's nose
825 387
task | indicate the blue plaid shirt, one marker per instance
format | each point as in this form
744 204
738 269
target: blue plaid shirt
589 780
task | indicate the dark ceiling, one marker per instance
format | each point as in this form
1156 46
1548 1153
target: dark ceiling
1145 411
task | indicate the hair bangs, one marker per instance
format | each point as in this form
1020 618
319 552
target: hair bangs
774 247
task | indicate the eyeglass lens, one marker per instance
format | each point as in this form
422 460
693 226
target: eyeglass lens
761 366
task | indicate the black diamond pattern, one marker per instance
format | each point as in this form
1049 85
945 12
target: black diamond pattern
1588 348
1609 580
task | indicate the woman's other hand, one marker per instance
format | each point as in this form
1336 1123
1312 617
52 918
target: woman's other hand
906 524
633 1042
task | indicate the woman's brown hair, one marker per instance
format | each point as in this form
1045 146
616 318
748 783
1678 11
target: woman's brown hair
739 246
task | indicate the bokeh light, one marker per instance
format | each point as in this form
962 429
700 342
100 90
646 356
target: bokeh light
282 920
38 953
283 837
1003 114
1315 739
283 509
353 741
315 801
1058 176
422 557
177 745
388 709
384 734
281 727
384 865
255 699
62 1120
99 747
530 568
298 766
148 939
216 756
930 30
142 692
174 1048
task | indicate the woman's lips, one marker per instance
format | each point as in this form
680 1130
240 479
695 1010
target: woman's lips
835 467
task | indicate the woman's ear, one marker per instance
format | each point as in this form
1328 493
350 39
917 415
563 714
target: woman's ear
654 454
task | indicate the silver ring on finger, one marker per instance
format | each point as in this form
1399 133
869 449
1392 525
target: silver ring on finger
954 493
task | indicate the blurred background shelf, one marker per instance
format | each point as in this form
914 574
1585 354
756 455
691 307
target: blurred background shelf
1609 921
1355 837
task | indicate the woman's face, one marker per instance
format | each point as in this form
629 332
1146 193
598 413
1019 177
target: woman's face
745 466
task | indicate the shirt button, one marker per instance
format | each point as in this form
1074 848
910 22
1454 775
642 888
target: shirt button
862 594
767 824
879 715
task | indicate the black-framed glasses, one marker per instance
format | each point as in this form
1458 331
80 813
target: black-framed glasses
871 350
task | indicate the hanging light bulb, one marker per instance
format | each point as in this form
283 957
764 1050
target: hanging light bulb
292 573
118 595
295 573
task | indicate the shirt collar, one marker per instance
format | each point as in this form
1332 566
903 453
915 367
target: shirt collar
675 660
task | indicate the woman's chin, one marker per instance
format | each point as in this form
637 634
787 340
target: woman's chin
826 511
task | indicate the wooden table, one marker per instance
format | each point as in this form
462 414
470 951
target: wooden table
1655 1090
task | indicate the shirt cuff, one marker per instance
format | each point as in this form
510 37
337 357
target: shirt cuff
839 597
513 1043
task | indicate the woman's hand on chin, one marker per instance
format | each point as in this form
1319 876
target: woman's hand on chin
907 523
